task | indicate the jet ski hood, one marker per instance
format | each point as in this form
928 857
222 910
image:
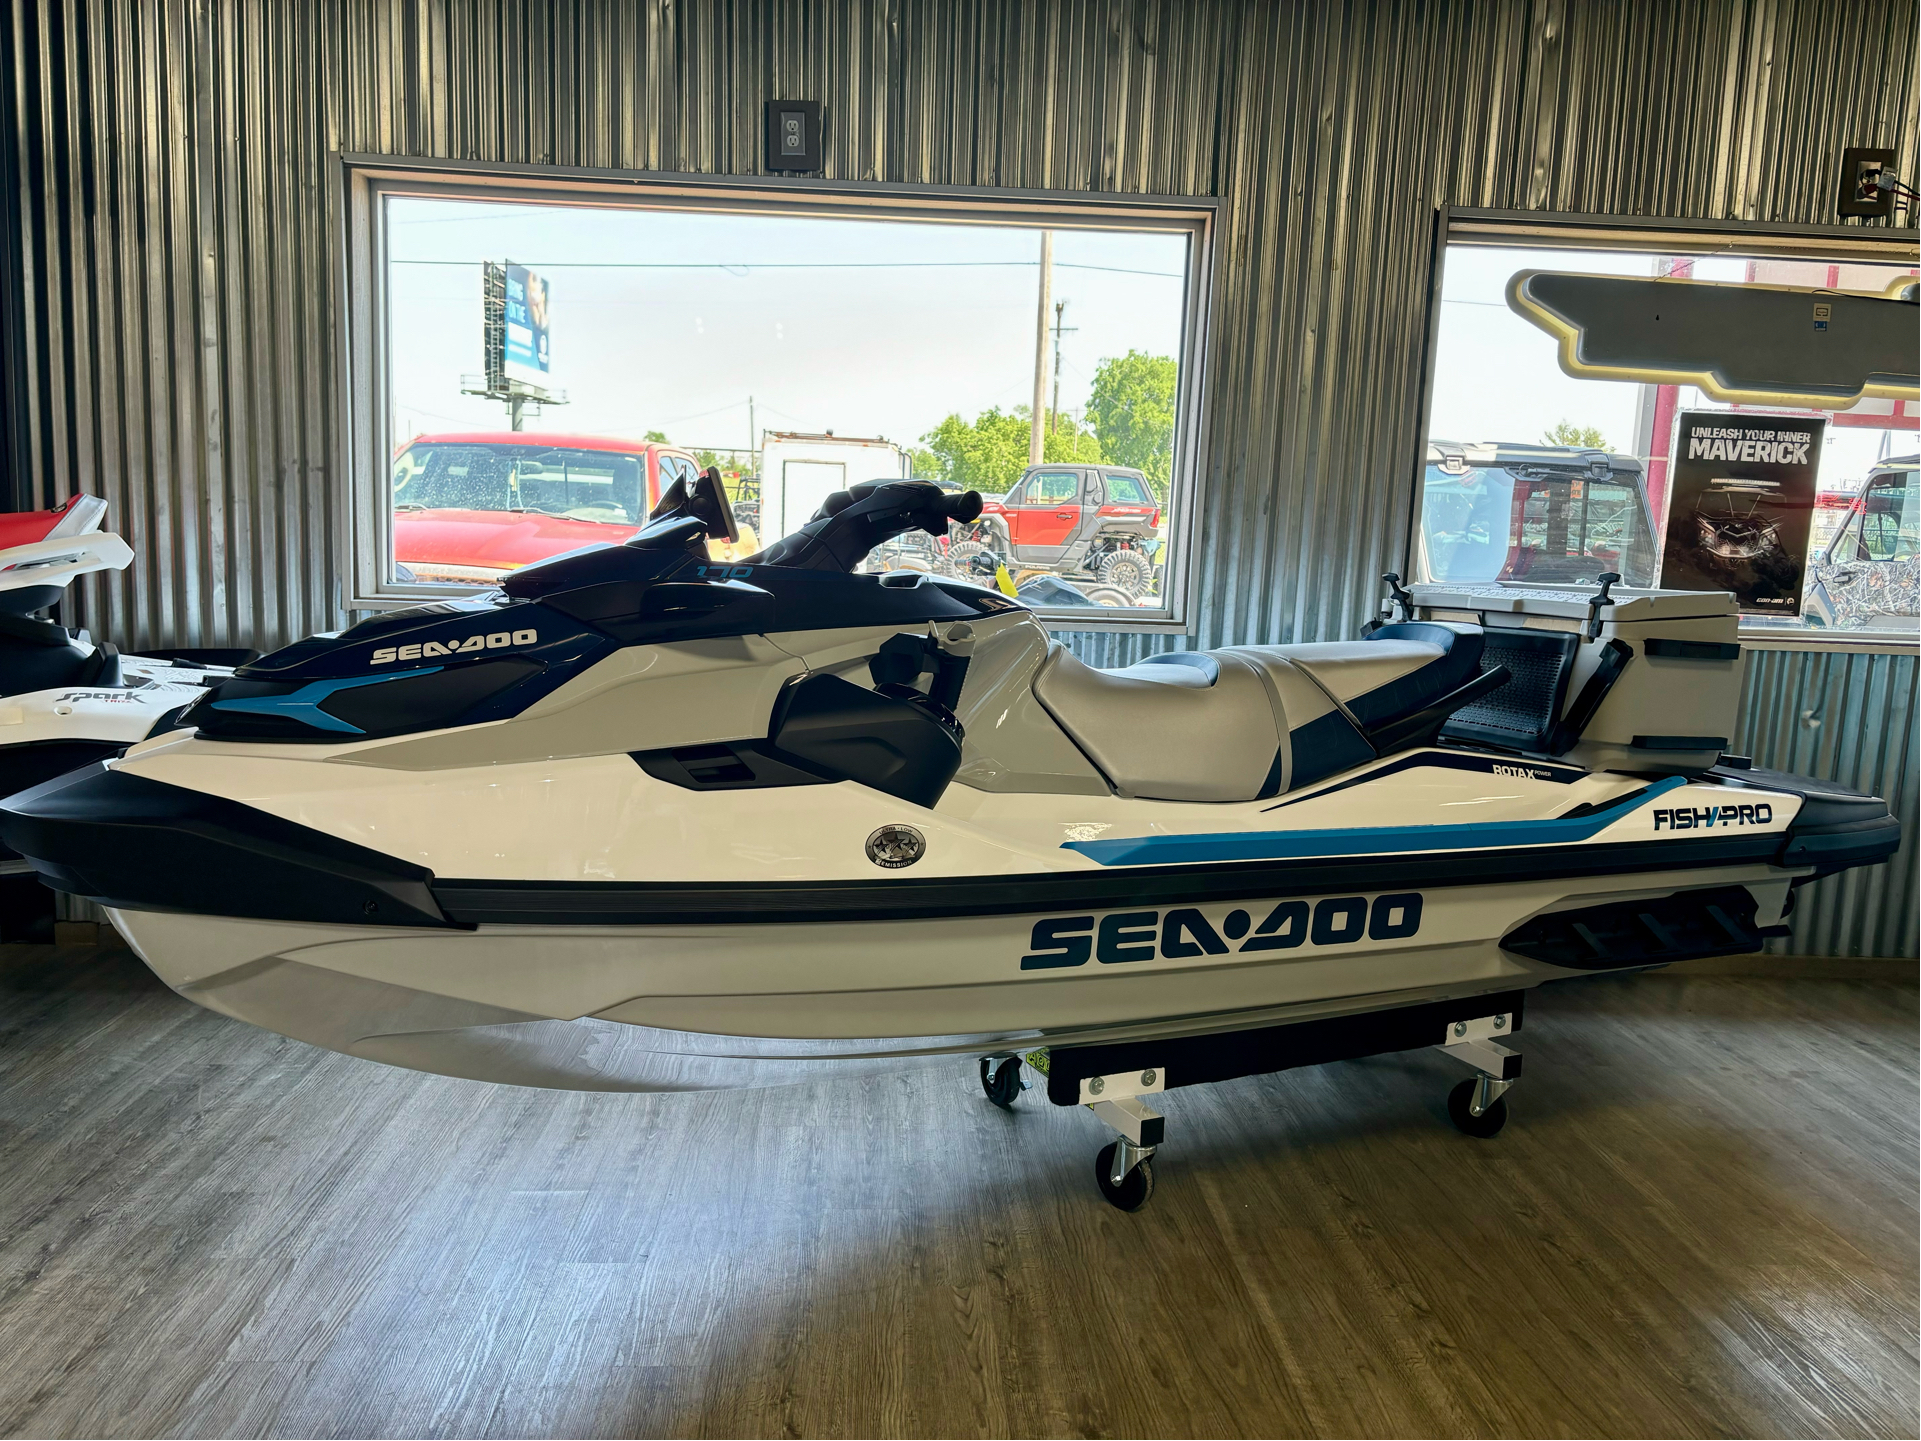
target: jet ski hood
465 662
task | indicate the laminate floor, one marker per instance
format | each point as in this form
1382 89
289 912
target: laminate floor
1701 1220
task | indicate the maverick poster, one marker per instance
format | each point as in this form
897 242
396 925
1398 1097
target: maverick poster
1740 504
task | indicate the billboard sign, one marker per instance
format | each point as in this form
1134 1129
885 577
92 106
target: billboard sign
1740 506
528 357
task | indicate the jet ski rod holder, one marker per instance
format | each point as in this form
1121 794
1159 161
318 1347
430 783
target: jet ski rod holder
1607 581
1398 598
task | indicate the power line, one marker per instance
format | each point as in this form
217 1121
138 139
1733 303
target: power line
703 414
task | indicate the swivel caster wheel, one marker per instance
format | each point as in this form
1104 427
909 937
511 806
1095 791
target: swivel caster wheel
1135 1187
1002 1083
1460 1102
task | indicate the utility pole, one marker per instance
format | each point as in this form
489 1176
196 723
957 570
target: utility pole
1054 414
1040 347
753 436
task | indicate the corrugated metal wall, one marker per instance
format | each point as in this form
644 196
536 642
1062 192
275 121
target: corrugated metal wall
1849 718
165 232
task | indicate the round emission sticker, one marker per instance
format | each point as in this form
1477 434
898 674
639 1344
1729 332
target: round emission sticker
896 846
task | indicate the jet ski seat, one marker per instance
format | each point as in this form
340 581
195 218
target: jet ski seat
1247 722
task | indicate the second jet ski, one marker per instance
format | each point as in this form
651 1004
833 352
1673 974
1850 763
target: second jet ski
67 700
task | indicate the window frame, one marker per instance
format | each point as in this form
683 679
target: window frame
1542 230
363 450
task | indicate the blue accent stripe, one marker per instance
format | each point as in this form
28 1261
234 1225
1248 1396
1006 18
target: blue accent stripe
1372 840
304 704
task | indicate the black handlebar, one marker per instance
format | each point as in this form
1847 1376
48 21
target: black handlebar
851 522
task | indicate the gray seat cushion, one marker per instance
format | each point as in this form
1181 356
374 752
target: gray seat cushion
1251 721
1162 731
1198 660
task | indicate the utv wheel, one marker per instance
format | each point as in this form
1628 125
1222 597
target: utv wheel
1107 595
1002 1083
1488 1123
960 553
1127 570
1135 1187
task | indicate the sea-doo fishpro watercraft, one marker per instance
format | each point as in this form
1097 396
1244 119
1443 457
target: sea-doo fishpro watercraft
65 699
641 820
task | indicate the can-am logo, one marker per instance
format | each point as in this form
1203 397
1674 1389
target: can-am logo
499 640
1689 818
1184 933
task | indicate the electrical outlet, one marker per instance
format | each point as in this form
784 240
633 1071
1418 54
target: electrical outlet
793 135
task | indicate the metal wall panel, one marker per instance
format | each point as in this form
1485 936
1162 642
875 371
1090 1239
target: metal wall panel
168 255
1849 718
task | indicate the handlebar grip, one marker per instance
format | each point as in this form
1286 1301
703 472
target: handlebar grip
965 507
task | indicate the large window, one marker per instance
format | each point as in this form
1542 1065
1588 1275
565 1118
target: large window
534 360
1537 475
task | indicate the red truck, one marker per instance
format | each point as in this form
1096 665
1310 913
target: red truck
1098 521
471 506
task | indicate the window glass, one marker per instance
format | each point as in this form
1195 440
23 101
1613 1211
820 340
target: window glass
1125 490
1056 487
1533 524
1538 475
529 342
510 479
1888 519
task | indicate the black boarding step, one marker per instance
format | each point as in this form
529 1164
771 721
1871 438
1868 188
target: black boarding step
1692 924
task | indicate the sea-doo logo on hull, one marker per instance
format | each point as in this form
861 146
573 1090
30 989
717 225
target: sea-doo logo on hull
499 640
1184 933
1690 818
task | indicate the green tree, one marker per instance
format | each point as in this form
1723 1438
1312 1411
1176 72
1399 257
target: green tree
990 452
740 462
1065 443
1583 437
1132 411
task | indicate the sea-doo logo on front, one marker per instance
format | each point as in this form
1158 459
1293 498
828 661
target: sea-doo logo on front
1184 933
1691 818
499 640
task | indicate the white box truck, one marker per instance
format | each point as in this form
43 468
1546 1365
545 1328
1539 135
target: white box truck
799 471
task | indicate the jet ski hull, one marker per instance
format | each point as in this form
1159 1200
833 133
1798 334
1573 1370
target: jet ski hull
465 1001
1156 918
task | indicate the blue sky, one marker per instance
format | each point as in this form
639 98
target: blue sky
668 320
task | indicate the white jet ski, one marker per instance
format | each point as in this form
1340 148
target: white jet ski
66 700
641 820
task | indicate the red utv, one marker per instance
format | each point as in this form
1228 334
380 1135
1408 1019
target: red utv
1097 522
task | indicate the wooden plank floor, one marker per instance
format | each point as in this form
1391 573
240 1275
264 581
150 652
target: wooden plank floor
1701 1220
